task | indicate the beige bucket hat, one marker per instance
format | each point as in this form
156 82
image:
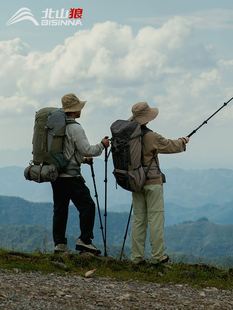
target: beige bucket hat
143 113
71 103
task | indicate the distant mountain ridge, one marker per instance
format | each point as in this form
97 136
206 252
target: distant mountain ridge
189 194
201 239
184 188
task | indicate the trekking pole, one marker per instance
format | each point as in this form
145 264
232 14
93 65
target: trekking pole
105 202
97 201
205 121
126 232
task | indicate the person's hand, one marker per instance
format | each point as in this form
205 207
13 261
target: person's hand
185 139
88 160
105 141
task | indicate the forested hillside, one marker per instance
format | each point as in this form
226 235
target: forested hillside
26 226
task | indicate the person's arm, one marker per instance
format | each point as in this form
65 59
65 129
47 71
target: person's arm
82 144
167 146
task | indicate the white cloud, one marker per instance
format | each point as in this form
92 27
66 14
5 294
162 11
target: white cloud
112 68
16 106
13 47
213 19
206 19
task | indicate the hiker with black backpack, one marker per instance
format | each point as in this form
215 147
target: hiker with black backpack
70 185
148 204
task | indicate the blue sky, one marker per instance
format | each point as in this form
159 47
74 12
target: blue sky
174 54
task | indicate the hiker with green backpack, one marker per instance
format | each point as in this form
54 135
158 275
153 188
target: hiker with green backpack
60 146
70 184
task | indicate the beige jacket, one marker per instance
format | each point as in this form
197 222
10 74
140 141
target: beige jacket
154 144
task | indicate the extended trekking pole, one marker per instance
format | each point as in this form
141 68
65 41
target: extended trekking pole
105 201
205 122
126 232
97 201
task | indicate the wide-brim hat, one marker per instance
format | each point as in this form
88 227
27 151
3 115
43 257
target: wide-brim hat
143 113
71 103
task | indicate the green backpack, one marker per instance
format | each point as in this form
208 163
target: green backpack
48 140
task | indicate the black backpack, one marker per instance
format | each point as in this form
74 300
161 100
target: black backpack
126 148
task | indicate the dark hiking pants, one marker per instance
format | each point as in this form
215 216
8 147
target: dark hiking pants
74 189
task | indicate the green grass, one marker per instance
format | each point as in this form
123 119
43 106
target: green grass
197 275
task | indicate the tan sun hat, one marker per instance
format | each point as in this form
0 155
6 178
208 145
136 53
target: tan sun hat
142 113
71 103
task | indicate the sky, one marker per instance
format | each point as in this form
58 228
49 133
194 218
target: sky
176 55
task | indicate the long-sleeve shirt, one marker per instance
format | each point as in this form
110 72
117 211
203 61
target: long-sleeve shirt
76 147
154 144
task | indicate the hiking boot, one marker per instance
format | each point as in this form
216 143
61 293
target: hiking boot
137 265
139 262
61 248
84 247
164 259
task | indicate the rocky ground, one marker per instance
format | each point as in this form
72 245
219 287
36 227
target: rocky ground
34 290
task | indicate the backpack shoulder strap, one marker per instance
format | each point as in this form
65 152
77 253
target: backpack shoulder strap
157 163
145 130
71 121
68 122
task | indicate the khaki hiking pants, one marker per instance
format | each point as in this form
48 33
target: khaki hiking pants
148 210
